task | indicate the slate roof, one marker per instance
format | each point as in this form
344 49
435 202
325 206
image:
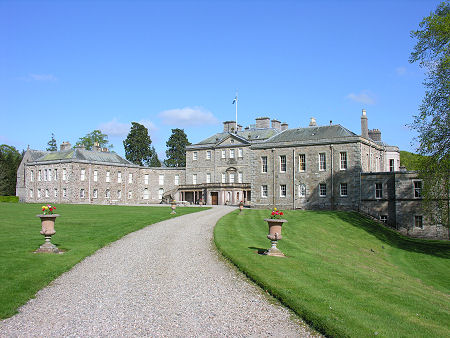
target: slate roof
250 135
84 155
312 134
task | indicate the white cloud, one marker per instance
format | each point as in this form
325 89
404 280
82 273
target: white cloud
39 77
188 117
116 128
364 96
400 71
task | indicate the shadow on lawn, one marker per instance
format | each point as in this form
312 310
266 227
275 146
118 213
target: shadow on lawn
261 251
393 238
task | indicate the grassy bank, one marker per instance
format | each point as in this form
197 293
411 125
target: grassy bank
80 230
345 274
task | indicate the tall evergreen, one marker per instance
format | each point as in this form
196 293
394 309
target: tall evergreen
10 160
176 152
137 145
52 144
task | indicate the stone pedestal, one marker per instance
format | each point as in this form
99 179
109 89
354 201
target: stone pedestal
274 235
48 230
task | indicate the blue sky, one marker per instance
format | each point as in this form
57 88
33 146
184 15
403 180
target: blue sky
71 67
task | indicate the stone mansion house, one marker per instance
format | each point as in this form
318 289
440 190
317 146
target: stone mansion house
264 165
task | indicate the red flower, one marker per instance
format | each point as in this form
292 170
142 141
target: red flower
51 209
281 213
273 212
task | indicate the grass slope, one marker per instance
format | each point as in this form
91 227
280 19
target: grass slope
410 160
345 274
81 230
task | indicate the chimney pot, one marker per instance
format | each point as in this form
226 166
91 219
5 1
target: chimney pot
312 122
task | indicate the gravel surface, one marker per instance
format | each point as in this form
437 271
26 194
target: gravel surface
164 281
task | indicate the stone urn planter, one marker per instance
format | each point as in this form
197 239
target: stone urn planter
241 206
48 230
173 206
274 235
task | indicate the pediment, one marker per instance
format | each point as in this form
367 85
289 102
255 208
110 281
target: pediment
232 140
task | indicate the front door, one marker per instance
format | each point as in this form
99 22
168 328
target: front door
214 198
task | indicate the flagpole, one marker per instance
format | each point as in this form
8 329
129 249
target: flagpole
236 108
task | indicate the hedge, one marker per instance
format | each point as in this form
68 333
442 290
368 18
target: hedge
9 199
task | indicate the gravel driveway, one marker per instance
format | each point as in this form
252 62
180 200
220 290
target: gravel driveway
165 281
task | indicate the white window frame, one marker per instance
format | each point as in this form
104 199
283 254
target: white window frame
39 175
264 164
55 192
119 177
343 189
283 190
47 194
95 193
264 191
224 178
208 154
343 160
240 153
418 219
146 194
322 161
302 190
130 194
302 162
177 179
119 194
107 194
208 177
194 178
283 163
161 179
240 177
82 174
231 177
108 176
55 177
95 175
82 193
64 192
64 177
49 174
224 153
378 190
160 193
391 165
31 176
130 178
146 179
194 156
232 153
417 189
322 188
31 193
39 193
45 174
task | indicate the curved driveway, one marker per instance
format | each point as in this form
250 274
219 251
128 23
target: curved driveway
165 280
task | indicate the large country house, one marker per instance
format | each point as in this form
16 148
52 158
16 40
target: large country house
264 165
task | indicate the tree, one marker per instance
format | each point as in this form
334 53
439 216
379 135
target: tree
95 137
52 144
10 160
137 145
432 51
154 161
176 154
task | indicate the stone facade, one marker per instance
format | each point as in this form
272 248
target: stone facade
55 179
264 165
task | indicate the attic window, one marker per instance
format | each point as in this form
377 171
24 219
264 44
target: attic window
257 136
232 141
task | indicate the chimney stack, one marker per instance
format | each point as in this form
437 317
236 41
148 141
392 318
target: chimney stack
312 122
276 124
65 146
364 125
284 126
229 127
375 134
263 122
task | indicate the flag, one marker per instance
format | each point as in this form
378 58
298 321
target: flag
235 100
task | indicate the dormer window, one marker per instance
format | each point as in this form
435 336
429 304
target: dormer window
194 156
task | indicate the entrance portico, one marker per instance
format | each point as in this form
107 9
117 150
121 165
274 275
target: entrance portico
216 193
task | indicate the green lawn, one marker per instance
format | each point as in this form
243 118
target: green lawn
80 230
345 274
